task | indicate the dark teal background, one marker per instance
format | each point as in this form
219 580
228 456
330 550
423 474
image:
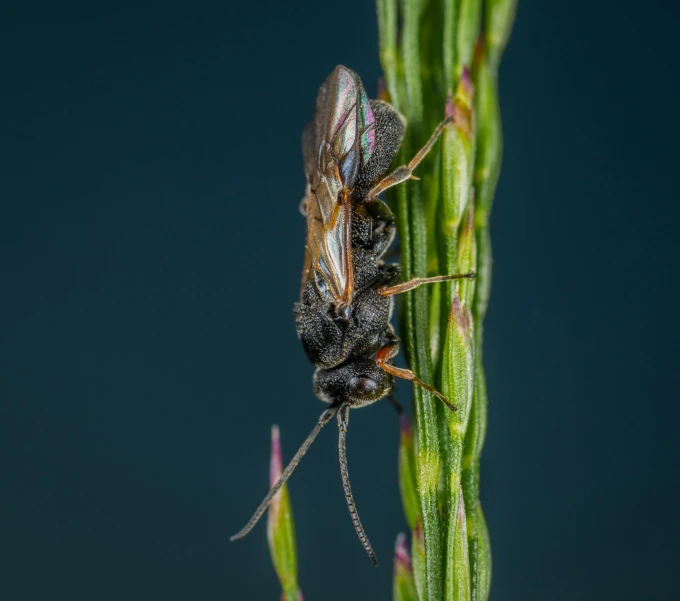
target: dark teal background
150 254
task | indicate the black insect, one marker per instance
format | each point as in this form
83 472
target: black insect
343 317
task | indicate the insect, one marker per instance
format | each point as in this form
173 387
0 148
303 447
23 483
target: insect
343 317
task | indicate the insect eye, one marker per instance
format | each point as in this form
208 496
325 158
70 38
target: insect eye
363 386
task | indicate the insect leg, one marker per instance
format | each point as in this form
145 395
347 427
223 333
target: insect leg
415 282
343 421
326 416
390 350
401 174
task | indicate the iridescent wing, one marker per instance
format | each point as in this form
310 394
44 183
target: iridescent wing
336 144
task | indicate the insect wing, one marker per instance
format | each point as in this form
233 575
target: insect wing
336 144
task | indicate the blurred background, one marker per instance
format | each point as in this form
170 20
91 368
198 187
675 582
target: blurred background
150 254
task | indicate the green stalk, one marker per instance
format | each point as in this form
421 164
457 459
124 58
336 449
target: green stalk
457 256
413 234
457 381
469 18
281 529
458 578
450 10
427 49
407 475
404 584
499 15
389 53
487 169
418 554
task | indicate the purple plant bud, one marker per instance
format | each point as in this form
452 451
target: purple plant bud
402 559
276 461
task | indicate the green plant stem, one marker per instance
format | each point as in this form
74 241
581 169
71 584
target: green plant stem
499 16
449 43
457 382
411 209
281 529
389 53
407 474
404 584
469 17
427 48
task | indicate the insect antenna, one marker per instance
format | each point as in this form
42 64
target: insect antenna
396 404
326 416
343 421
